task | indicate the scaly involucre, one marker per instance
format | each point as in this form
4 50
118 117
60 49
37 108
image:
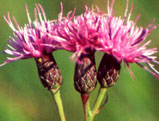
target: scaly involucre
124 40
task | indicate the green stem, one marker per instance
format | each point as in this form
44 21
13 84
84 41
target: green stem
98 102
57 97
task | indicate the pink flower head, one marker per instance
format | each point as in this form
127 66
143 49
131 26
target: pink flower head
59 30
29 41
124 40
82 33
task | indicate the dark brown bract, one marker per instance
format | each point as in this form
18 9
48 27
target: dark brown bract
49 73
85 74
108 71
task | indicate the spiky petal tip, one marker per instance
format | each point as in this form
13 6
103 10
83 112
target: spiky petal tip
125 41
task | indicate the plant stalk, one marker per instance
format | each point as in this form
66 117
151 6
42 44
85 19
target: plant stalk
98 102
57 98
86 106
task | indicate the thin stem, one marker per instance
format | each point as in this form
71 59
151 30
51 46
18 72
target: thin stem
57 98
86 106
99 99
98 102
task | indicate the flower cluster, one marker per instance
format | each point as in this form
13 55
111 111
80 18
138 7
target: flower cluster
119 38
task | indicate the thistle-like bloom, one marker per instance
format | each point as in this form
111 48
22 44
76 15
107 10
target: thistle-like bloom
82 33
82 37
29 41
33 41
123 40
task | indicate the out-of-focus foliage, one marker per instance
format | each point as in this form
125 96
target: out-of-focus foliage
23 98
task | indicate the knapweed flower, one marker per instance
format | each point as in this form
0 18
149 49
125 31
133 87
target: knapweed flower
82 33
123 41
29 41
32 41
82 37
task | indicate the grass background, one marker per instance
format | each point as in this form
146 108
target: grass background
23 98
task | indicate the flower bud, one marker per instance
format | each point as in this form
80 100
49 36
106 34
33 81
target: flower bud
49 73
108 71
85 74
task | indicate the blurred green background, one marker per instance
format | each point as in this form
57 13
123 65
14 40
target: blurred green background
23 98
